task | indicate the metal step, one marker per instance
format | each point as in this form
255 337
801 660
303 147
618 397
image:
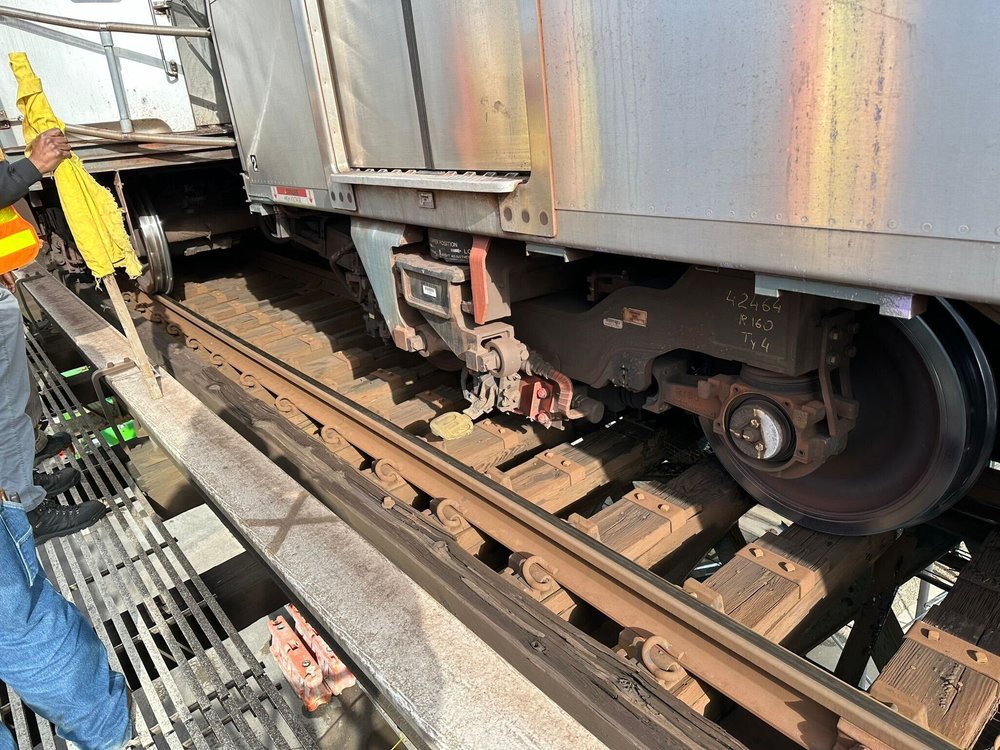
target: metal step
195 682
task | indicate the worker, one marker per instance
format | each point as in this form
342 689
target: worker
49 653
48 518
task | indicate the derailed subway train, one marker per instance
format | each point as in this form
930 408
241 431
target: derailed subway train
781 218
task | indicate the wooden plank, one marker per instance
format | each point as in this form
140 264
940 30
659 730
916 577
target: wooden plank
316 344
387 387
659 521
772 604
200 292
875 635
707 502
780 581
415 415
558 477
950 697
343 366
914 550
616 701
128 326
495 441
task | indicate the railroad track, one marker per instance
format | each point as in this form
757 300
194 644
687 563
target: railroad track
595 526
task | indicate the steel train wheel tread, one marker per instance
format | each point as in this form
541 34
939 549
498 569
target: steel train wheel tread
152 246
927 423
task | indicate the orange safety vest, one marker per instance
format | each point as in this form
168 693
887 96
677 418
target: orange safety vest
18 242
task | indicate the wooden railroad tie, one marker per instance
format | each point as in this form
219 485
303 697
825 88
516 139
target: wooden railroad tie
666 525
946 675
556 478
776 586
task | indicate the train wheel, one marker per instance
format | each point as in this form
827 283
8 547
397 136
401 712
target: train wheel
151 245
927 423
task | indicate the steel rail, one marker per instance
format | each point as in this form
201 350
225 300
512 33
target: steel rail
796 697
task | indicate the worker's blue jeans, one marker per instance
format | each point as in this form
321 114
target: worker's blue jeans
49 654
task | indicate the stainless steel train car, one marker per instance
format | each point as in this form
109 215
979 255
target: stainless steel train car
779 216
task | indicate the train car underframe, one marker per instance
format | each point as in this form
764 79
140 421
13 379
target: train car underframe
839 417
850 410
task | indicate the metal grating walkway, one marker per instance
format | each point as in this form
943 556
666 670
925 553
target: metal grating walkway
195 682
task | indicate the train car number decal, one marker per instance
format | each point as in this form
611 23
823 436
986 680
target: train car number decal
294 195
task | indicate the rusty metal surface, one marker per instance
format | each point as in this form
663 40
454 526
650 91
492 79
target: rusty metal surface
798 699
626 330
298 665
336 675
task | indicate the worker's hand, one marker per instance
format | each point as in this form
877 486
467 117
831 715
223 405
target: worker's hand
7 280
49 150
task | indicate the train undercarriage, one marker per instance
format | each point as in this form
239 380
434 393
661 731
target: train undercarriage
827 410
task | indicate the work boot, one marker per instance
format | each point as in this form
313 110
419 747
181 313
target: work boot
50 519
58 481
56 444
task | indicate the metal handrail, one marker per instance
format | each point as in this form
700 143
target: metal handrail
220 141
125 28
105 29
